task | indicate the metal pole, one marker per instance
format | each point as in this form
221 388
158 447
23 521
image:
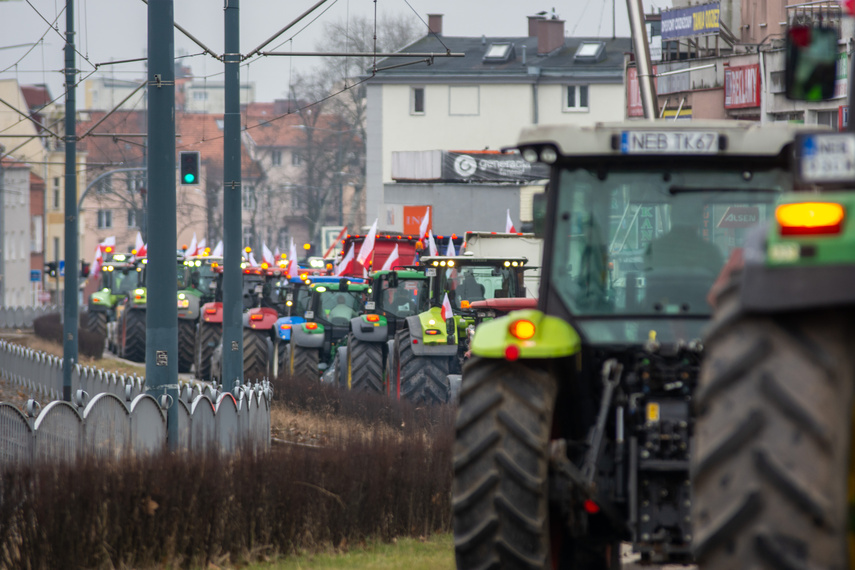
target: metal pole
232 322
161 348
850 124
70 318
642 59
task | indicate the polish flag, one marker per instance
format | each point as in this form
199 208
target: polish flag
139 246
423 227
276 254
432 244
446 312
97 260
191 251
293 268
449 251
390 261
345 262
509 224
252 260
200 249
267 255
367 248
218 251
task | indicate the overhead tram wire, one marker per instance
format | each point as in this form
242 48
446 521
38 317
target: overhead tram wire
86 59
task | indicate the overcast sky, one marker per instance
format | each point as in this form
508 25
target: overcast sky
110 30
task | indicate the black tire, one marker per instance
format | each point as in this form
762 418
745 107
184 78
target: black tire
364 366
304 362
254 355
186 344
500 499
207 338
771 462
134 337
96 322
423 379
282 357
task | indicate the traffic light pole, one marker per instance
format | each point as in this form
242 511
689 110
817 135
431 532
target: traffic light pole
161 348
232 302
70 315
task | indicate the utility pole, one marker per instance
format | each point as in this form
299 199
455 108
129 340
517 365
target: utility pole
232 305
161 348
70 315
646 86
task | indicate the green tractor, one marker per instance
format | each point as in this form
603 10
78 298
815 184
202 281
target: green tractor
328 315
196 286
365 363
575 424
119 276
126 337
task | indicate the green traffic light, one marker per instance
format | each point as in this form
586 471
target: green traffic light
189 178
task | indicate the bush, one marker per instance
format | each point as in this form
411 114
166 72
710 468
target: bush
49 327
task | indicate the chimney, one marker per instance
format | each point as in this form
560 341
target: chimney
550 36
435 23
533 23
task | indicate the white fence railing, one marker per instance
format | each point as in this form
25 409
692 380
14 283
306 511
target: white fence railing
120 418
23 317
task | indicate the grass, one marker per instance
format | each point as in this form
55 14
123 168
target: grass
433 553
54 348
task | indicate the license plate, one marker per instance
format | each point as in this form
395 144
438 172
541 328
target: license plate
668 142
259 288
369 306
827 157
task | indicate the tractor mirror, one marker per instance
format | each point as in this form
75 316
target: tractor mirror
538 210
393 280
811 63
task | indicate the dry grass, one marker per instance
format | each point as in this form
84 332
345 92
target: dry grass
107 363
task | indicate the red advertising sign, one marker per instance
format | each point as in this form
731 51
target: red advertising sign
413 216
633 93
740 217
742 86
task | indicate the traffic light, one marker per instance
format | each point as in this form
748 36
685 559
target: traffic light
50 268
84 269
189 161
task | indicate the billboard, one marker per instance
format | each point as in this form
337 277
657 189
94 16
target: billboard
693 21
742 86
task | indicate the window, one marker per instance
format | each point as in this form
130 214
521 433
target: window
248 198
247 237
36 229
827 118
132 218
276 157
104 185
296 158
56 193
576 98
590 52
105 219
499 53
417 101
200 95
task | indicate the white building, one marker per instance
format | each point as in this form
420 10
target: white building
484 99
15 286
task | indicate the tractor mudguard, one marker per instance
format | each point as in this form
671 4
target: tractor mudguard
438 344
307 338
552 338
260 318
188 306
368 331
797 272
212 312
284 325
100 301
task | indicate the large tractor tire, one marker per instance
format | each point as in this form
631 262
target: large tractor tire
282 356
304 362
364 366
254 355
134 335
96 322
207 339
186 344
500 500
423 379
773 439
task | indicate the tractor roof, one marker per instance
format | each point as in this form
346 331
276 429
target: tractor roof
402 274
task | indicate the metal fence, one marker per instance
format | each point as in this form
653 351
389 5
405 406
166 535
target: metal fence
120 418
23 317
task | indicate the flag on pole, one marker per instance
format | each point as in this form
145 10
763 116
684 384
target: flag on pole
367 248
509 224
449 251
446 312
200 249
345 262
432 244
218 251
276 254
293 268
139 246
190 251
390 261
423 227
97 260
267 255
252 260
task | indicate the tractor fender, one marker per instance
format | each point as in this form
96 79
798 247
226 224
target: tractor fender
100 301
414 325
368 331
553 337
212 312
260 318
188 307
284 325
305 338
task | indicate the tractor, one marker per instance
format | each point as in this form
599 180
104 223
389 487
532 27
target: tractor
575 423
119 276
126 336
196 286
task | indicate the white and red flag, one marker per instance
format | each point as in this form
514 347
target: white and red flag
218 251
449 251
276 255
446 312
191 251
252 260
367 248
509 224
345 262
293 268
267 255
425 225
432 250
139 246
98 260
390 261
200 249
